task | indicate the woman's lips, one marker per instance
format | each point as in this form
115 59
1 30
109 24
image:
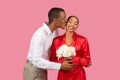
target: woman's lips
71 28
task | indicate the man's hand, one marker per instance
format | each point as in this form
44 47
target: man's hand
66 65
68 58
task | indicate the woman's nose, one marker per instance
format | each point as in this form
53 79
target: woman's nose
72 24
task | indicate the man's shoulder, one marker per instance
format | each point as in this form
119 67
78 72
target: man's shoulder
40 31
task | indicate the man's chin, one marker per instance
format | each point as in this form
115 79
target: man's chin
63 27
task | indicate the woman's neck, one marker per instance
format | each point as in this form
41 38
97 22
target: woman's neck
69 34
68 38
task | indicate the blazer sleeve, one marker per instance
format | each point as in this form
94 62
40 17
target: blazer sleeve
84 60
53 56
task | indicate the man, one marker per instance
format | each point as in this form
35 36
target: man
38 55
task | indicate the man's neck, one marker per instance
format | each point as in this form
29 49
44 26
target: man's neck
52 27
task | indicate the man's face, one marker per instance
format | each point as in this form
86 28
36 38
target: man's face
61 21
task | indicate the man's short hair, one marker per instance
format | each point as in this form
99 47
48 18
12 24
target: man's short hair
54 13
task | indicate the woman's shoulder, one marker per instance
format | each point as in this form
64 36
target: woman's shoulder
58 38
81 36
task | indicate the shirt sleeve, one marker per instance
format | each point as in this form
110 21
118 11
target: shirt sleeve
37 49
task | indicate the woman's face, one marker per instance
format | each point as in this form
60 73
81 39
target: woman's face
72 24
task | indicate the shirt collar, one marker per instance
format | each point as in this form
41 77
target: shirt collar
47 28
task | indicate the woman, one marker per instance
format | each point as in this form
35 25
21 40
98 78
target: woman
74 45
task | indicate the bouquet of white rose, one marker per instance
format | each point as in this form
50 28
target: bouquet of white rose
65 51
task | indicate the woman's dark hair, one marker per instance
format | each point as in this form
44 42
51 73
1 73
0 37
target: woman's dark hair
54 13
72 16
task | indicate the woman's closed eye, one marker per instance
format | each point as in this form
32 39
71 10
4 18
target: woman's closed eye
70 21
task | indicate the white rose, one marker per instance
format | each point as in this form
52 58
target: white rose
65 51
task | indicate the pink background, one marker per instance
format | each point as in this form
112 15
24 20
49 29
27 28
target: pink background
99 22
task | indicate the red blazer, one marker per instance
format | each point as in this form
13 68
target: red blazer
81 59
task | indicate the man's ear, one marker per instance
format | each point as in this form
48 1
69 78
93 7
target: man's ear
55 20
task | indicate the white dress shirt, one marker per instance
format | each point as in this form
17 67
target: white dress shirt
40 46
